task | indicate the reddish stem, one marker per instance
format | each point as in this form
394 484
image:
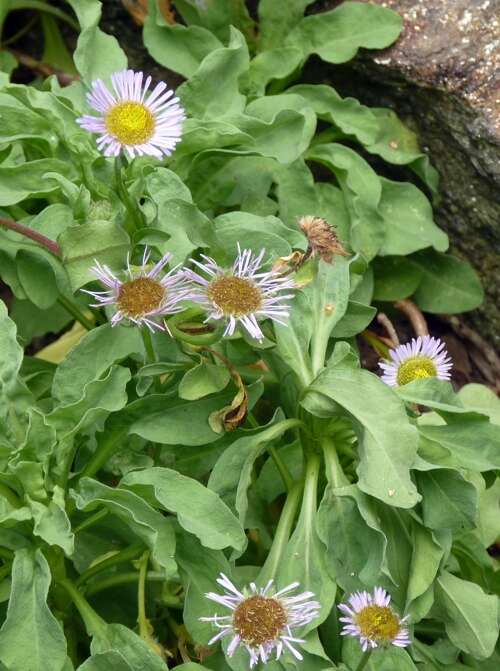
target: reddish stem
42 240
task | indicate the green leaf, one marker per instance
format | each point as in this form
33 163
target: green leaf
269 65
336 36
18 182
232 475
97 54
448 284
199 510
149 525
31 639
112 637
177 47
481 399
112 660
425 562
472 444
82 245
293 338
51 522
96 352
387 441
469 615
356 319
217 16
37 279
328 294
275 24
362 189
202 380
395 278
224 65
199 568
21 122
255 233
448 500
355 544
346 113
408 220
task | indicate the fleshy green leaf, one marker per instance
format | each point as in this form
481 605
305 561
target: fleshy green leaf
199 510
31 639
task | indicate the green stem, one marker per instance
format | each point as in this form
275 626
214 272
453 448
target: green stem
282 534
364 660
123 579
131 206
148 345
334 473
286 476
109 445
93 622
75 312
142 620
11 497
119 558
96 517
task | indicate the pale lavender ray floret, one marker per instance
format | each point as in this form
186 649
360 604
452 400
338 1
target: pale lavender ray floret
421 358
242 294
370 618
261 619
132 118
145 296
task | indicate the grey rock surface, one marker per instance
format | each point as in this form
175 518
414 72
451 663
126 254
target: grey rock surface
443 78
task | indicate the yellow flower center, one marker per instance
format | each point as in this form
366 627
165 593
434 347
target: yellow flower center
416 368
378 623
235 296
130 123
141 296
259 619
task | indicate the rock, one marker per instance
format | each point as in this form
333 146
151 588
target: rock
443 79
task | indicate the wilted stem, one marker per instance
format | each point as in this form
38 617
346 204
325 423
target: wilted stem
28 232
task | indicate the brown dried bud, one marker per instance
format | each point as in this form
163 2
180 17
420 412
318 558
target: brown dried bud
322 239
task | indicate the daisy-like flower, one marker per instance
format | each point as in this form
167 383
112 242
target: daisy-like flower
370 618
261 619
241 294
144 296
130 118
421 358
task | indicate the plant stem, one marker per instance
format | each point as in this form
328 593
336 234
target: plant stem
142 620
334 472
109 445
96 517
75 312
282 534
148 345
42 240
44 7
131 206
123 579
93 622
364 660
286 476
119 558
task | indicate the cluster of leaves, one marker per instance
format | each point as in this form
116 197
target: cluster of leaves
118 472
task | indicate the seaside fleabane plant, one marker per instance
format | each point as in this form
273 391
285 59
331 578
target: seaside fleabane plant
261 620
370 618
419 359
132 119
242 294
145 296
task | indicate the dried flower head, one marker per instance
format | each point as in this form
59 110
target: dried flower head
370 618
261 619
322 239
145 295
241 294
131 119
421 358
